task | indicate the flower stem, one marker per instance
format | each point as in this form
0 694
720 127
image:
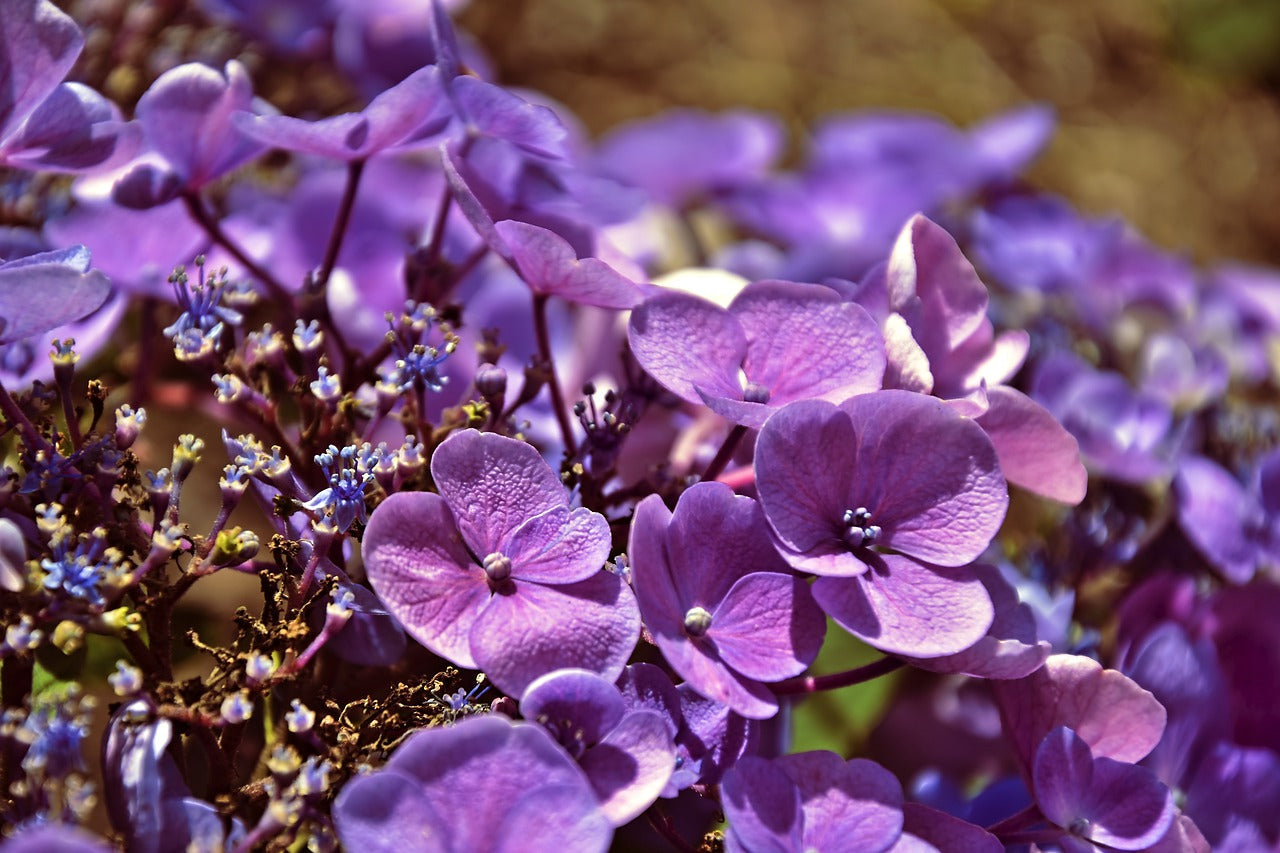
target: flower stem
18 420
858 675
215 232
553 383
354 170
725 453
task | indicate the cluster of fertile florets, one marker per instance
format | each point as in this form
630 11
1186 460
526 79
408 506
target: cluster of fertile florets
494 616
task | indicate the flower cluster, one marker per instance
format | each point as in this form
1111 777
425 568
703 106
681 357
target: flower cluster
916 448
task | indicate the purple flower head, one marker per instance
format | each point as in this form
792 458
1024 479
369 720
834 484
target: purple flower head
1236 529
55 838
496 572
1096 799
399 115
682 154
811 801
718 600
41 292
483 784
548 264
1040 243
1185 374
1111 713
777 342
186 116
627 753
890 470
1122 433
45 124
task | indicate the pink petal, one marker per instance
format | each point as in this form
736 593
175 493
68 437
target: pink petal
1035 451
935 288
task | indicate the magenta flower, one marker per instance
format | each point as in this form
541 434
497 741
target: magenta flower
718 600
777 342
484 784
496 572
888 496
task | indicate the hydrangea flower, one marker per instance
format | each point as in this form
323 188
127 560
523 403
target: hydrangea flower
483 784
1237 529
628 754
777 342
45 124
496 572
887 498
718 600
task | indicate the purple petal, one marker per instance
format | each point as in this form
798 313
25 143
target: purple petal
493 111
687 343
388 121
631 767
645 686
420 569
762 805
935 288
1009 649
40 293
554 817
385 812
804 342
56 837
74 130
1007 143
574 699
592 624
804 471
907 607
1116 717
714 734
38 45
1062 774
768 627
1212 511
559 546
548 264
187 118
470 204
856 804
907 366
1035 451
1129 807
493 484
943 504
946 832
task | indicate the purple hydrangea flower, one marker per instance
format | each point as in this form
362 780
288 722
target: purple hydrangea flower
777 342
890 470
45 124
811 801
496 572
1097 799
682 154
718 600
628 754
1109 711
41 292
1236 529
485 783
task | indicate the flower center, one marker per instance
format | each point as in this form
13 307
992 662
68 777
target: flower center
697 621
754 392
497 567
858 529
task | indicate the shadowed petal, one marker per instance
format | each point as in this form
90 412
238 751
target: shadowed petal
904 606
632 765
687 344
38 45
935 288
763 808
592 624
420 569
855 805
385 812
946 832
42 292
574 699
